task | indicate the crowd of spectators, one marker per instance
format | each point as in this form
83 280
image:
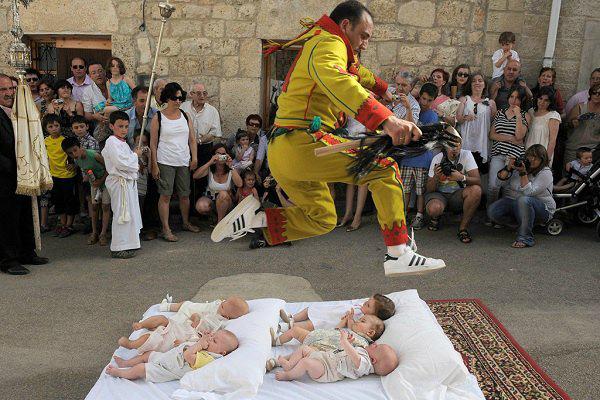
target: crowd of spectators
507 125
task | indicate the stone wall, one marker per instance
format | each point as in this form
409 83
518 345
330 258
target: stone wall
219 42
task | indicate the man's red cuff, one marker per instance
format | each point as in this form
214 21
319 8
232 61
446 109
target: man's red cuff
380 87
372 114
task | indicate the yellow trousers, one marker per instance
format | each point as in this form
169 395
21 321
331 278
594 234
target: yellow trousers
304 178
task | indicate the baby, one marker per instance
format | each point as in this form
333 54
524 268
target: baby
367 329
189 324
334 365
157 367
323 315
213 314
583 165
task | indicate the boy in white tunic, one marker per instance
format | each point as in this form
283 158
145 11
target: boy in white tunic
122 166
335 365
157 367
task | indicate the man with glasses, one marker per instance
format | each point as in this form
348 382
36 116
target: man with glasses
17 243
582 97
207 126
80 79
32 77
258 140
95 93
406 101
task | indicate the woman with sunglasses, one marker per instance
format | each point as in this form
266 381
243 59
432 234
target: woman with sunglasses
460 76
474 116
47 94
173 147
585 118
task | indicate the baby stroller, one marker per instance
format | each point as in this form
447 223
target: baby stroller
582 202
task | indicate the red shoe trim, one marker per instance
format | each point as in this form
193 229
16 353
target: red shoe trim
276 225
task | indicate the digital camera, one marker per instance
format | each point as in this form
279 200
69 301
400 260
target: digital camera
222 157
523 160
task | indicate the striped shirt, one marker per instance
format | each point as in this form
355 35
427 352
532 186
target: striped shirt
507 126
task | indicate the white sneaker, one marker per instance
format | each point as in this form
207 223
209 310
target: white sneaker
238 222
412 242
411 263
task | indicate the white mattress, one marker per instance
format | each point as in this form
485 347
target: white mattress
370 387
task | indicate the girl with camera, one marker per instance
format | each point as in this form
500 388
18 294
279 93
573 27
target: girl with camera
221 176
527 187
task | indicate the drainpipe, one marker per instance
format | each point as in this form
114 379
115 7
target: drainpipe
552 29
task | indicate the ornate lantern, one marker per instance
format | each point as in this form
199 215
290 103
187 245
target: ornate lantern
20 53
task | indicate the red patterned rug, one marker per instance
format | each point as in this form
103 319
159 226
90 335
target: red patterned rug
503 369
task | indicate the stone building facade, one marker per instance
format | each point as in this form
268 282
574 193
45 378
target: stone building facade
219 41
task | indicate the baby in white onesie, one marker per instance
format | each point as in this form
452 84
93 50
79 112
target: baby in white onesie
335 365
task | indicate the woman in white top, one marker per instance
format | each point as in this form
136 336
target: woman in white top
474 116
220 177
173 147
545 121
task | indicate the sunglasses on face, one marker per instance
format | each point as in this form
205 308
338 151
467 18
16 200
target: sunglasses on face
77 66
463 74
597 93
254 124
177 98
31 79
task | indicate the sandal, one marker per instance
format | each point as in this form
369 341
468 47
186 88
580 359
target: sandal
352 228
464 236
92 239
169 237
434 224
190 228
519 245
103 240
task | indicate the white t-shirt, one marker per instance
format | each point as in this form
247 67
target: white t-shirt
465 163
204 121
498 71
173 143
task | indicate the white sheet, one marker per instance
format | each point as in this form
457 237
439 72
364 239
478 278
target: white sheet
370 387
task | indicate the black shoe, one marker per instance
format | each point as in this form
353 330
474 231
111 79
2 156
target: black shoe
34 260
258 243
15 269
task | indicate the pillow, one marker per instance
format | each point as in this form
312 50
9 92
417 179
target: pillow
429 365
240 373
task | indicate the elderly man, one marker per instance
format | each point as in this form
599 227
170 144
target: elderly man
207 127
157 89
502 87
80 79
139 94
582 97
95 94
405 101
17 243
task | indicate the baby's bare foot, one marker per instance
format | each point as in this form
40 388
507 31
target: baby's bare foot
282 376
285 364
112 371
124 342
120 362
136 326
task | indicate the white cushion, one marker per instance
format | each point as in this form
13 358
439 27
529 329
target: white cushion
429 365
240 373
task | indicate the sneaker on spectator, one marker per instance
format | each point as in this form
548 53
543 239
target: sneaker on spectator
418 222
240 221
66 231
411 263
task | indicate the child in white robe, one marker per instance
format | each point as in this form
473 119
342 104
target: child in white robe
122 166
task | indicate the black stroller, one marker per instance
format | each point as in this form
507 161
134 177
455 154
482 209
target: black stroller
581 203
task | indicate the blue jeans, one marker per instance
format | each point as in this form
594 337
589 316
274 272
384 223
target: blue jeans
523 212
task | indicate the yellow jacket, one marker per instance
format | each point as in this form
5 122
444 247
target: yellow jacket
326 80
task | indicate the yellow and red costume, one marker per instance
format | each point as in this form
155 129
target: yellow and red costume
326 81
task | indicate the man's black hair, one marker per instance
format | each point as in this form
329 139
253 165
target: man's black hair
32 71
351 10
49 118
118 115
137 89
69 142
